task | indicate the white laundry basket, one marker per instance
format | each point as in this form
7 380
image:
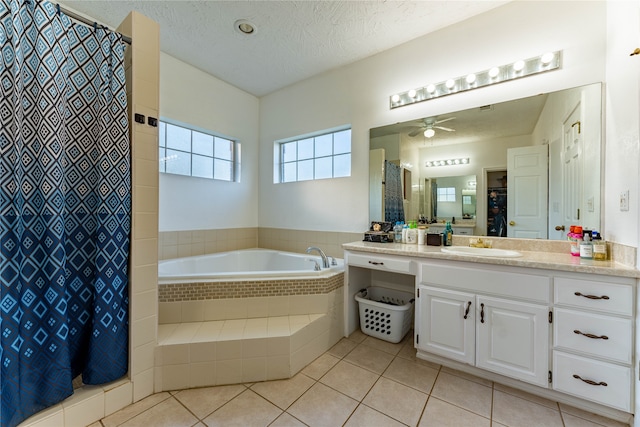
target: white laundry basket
385 313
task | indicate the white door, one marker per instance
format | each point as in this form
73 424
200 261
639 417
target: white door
572 188
527 172
513 339
445 323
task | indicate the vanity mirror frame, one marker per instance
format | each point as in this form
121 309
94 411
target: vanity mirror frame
554 111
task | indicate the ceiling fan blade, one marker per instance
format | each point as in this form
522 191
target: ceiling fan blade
446 129
443 120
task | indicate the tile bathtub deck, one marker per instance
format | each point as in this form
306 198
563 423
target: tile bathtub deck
361 381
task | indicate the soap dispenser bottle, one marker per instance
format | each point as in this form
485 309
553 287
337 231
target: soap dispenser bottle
586 247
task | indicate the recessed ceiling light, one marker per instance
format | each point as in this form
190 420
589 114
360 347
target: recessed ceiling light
245 27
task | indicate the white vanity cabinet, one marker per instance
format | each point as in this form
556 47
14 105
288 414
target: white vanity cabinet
567 334
593 338
371 269
495 320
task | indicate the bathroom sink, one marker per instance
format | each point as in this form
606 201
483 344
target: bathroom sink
486 252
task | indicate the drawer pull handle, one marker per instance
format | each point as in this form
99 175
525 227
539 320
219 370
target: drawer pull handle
602 383
595 337
481 313
376 263
466 312
578 294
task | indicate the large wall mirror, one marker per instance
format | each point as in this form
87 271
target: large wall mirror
526 168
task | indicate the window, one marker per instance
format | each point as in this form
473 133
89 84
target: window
447 194
325 155
185 151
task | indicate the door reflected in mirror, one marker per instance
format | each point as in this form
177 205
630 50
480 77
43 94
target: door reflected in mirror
567 123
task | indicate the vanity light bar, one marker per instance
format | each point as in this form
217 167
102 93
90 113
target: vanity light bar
447 162
504 73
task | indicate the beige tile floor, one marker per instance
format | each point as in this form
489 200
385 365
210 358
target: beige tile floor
361 381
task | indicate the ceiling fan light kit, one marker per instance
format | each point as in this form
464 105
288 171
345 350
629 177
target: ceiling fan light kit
429 126
548 61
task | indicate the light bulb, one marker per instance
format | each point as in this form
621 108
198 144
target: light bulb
395 98
450 84
429 133
449 162
412 93
456 161
465 161
471 78
547 58
518 65
429 164
431 88
493 73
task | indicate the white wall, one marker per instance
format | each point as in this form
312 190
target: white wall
622 98
359 94
193 97
485 156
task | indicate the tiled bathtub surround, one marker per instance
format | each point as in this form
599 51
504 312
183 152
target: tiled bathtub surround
226 341
247 288
178 244
243 331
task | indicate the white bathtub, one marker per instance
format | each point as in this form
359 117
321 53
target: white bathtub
249 264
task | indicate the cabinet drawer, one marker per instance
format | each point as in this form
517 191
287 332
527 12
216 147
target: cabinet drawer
617 391
487 280
601 296
463 231
377 262
609 337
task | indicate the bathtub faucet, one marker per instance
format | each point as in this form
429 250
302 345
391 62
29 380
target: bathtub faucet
325 260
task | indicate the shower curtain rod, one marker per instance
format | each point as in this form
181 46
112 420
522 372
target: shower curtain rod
88 22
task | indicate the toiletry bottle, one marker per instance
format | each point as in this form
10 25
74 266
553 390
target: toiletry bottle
586 247
422 231
397 232
412 234
447 235
405 230
577 239
599 247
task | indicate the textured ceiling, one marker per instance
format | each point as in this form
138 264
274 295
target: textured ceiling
294 40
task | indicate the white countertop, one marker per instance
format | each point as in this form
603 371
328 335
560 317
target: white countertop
542 259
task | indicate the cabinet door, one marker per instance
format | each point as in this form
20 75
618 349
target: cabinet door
445 323
513 339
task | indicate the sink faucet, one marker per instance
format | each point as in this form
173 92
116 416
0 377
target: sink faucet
325 260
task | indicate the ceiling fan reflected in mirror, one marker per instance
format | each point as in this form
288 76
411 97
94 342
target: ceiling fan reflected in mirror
429 127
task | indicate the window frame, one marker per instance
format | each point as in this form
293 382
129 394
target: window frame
233 159
446 195
313 160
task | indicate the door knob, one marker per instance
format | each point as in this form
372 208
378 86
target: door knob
559 227
512 223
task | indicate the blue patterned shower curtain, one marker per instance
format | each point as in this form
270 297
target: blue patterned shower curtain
393 197
65 207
